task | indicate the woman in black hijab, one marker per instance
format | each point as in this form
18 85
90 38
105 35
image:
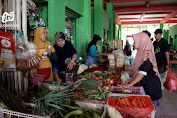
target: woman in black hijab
65 55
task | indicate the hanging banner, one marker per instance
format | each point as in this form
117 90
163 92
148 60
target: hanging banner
7 51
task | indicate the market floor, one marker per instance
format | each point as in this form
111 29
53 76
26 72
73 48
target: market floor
168 103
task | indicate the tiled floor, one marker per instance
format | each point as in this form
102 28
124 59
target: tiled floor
168 103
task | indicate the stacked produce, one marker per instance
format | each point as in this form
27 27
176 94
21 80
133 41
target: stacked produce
56 100
34 94
84 113
96 94
9 101
90 84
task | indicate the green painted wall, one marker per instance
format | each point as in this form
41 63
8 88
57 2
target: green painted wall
161 26
92 21
56 17
114 24
173 30
165 34
119 32
76 5
173 35
44 13
98 16
105 21
77 37
82 30
85 26
110 14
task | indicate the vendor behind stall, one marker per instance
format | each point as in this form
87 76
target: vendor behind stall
64 57
40 40
91 51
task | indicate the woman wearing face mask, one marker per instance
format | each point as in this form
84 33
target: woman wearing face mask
65 55
40 40
91 51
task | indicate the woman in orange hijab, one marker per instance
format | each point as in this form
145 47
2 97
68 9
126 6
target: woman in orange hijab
40 40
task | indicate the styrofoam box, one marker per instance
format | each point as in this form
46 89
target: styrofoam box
135 90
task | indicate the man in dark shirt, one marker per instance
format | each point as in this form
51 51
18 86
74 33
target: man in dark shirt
161 49
127 49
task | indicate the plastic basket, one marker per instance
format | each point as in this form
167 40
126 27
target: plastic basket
91 105
4 113
37 78
151 115
132 90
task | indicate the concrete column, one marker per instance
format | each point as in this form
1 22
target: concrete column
85 26
98 19
114 24
110 14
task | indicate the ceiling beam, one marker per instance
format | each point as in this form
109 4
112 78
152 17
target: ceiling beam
146 5
148 9
169 16
146 13
143 18
145 22
118 20
120 1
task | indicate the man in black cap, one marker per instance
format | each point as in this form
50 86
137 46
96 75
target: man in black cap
161 49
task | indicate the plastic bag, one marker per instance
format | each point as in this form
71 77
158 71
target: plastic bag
33 59
21 61
133 111
171 82
111 60
20 41
163 76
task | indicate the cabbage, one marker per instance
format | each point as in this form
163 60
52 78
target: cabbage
113 113
124 76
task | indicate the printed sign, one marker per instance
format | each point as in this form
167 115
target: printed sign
7 51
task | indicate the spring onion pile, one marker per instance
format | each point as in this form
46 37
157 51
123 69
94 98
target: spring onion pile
56 100
9 101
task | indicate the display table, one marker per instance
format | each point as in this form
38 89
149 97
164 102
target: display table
173 61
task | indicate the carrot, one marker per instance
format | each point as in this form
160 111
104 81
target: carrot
120 102
144 105
134 102
138 101
128 102
96 78
141 104
124 103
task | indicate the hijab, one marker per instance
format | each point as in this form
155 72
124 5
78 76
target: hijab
67 51
145 50
38 38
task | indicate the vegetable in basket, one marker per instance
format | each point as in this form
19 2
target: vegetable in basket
124 76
